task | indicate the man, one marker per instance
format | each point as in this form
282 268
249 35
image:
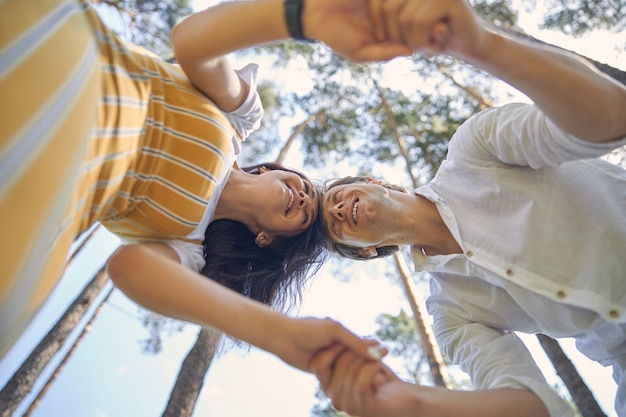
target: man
522 228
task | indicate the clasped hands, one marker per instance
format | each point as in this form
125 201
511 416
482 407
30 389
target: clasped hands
380 30
360 386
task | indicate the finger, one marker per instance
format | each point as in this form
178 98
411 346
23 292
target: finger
350 368
377 19
375 349
381 52
341 382
439 36
382 376
417 20
390 10
351 341
323 363
365 386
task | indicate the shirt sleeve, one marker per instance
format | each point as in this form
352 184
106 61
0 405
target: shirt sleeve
191 255
473 335
247 118
520 134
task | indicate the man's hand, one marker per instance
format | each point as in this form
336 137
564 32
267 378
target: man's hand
346 27
429 26
297 340
363 387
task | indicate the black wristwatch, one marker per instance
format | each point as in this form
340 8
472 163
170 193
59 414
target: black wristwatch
293 19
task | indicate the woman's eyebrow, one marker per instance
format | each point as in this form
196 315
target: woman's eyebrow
313 191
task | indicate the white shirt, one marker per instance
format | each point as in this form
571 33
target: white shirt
543 230
245 119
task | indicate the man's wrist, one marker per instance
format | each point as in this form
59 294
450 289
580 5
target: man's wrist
293 19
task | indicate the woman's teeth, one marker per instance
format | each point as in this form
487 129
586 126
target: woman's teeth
354 210
291 198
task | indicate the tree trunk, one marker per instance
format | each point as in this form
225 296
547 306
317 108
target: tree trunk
191 375
393 124
67 356
296 131
429 347
582 396
22 381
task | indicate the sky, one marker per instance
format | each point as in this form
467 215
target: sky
109 376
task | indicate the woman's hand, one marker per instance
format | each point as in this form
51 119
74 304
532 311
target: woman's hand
297 340
430 26
345 26
363 388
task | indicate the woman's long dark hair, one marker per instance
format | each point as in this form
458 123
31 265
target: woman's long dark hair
275 274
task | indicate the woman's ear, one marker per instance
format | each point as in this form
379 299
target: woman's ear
263 239
368 252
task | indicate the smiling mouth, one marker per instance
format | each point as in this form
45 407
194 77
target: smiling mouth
291 198
355 208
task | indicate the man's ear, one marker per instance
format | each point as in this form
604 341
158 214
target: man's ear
371 180
368 252
263 169
263 239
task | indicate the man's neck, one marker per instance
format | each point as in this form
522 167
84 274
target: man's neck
430 233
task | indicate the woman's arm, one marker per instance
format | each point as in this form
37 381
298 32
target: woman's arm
150 275
202 40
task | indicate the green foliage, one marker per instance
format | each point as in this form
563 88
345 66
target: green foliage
399 335
156 325
577 17
498 12
323 407
148 23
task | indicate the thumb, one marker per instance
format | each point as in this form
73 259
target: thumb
381 52
366 348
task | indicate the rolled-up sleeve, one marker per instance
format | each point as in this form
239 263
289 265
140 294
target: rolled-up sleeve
191 255
520 134
470 331
247 117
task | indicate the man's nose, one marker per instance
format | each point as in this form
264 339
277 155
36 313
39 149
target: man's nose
338 211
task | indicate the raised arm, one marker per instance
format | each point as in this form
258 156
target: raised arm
573 94
202 40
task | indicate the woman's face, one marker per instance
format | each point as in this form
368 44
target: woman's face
287 204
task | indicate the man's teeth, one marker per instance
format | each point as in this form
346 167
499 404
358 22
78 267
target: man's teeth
354 210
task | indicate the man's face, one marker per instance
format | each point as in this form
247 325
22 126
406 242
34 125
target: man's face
357 214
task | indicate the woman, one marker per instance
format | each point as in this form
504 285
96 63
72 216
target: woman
104 131
269 269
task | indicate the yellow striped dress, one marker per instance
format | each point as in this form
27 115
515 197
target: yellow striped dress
92 129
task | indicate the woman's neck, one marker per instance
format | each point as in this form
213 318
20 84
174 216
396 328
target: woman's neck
232 203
